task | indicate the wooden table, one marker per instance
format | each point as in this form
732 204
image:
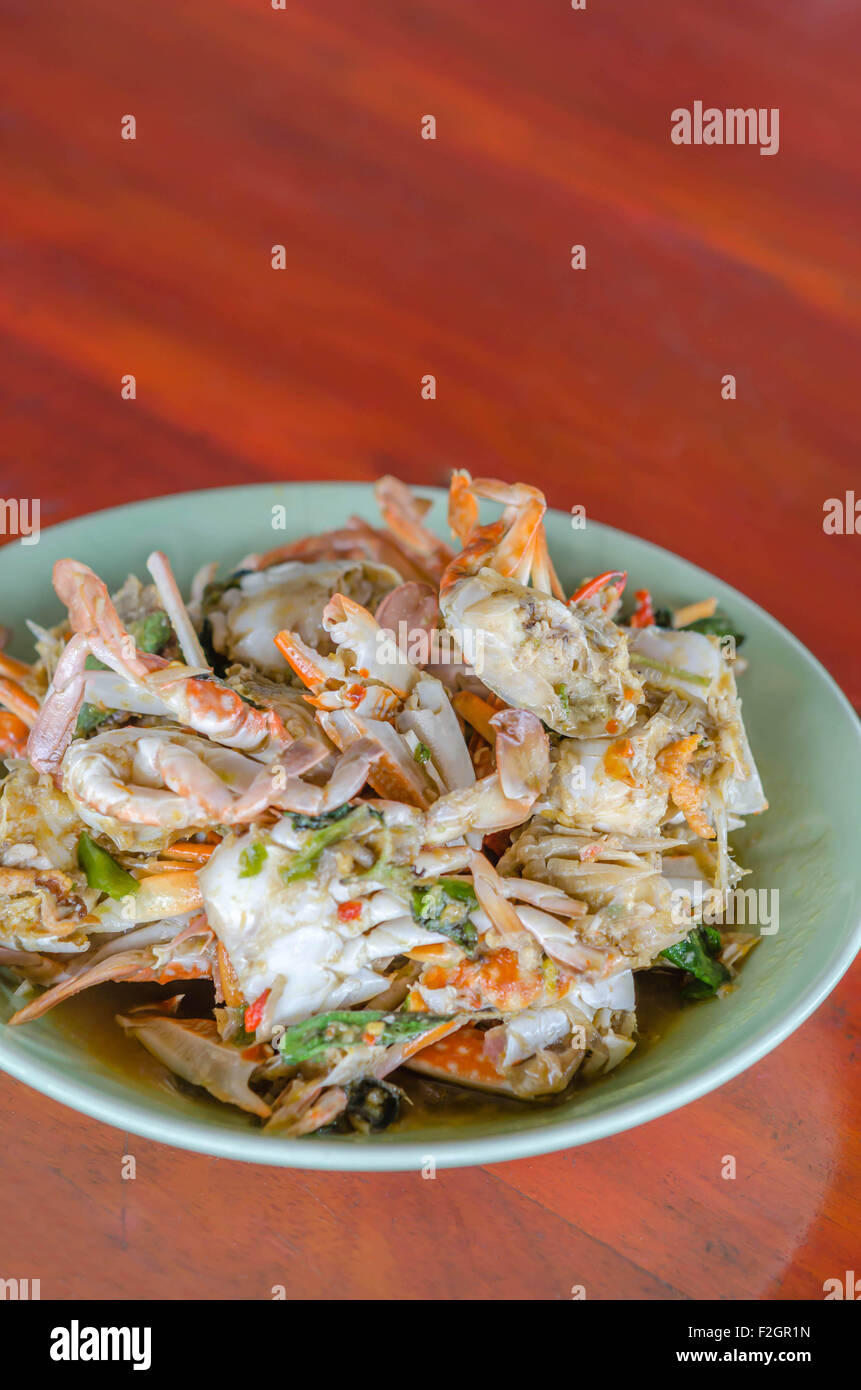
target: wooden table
407 257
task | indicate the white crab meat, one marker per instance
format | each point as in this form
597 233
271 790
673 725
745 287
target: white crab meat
567 665
746 797
532 1029
428 715
289 939
687 651
39 826
291 595
701 656
584 794
615 993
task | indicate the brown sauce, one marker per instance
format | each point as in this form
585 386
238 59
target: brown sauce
89 1022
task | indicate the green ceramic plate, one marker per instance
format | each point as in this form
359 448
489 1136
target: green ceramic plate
807 743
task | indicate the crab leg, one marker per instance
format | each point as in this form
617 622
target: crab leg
393 775
13 736
477 712
544 575
480 550
168 590
208 707
524 509
12 668
16 699
357 540
312 669
515 546
52 731
462 507
403 513
142 963
505 798
491 894
167 894
121 966
352 626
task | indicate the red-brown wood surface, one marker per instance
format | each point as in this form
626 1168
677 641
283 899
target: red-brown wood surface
452 257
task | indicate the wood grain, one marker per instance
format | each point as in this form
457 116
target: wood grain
451 257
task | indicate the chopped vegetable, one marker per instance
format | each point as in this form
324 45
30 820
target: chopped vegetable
102 870
89 718
718 625
254 1012
561 693
643 615
676 673
213 592
445 907
350 911
301 822
337 826
422 753
694 612
152 632
346 1029
697 955
252 859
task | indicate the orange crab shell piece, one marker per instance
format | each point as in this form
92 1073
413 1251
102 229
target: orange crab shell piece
497 980
19 701
13 735
461 1058
13 668
684 789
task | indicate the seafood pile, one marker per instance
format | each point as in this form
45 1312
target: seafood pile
402 806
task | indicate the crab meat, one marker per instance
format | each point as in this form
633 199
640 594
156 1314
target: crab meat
290 938
290 596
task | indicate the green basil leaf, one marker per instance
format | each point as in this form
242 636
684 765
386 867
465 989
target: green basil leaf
345 1029
718 625
334 826
697 956
445 907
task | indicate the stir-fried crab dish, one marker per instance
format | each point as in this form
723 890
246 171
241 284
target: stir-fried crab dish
371 808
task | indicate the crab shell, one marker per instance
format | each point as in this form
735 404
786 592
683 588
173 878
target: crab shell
569 666
291 596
